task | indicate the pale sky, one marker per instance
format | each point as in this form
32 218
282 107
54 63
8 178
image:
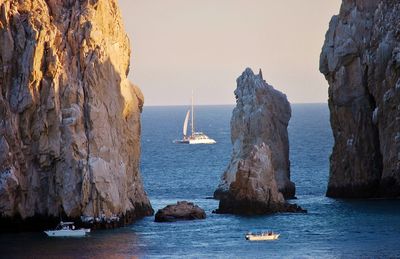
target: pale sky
204 45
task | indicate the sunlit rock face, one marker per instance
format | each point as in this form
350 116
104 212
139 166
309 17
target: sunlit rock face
258 176
69 117
361 61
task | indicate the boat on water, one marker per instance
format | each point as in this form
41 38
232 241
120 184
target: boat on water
195 137
67 229
263 236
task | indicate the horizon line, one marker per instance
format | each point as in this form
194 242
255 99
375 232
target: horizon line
223 104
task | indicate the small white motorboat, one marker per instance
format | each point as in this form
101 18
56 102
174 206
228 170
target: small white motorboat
263 236
67 229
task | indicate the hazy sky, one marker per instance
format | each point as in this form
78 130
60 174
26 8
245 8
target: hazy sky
204 45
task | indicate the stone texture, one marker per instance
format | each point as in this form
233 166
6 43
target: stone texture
361 61
261 116
182 210
258 174
69 117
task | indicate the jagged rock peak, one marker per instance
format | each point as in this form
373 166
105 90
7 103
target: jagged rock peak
69 117
248 73
258 172
360 59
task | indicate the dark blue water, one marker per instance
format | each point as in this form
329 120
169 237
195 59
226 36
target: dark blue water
172 172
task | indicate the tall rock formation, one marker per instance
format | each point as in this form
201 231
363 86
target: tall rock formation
361 61
258 173
69 117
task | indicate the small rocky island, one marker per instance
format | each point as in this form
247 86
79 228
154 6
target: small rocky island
258 177
361 61
182 210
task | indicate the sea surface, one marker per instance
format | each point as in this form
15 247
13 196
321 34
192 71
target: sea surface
174 172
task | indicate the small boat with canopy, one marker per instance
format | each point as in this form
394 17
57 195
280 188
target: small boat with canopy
67 229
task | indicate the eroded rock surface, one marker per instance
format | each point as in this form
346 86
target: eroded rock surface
258 176
361 61
182 210
69 117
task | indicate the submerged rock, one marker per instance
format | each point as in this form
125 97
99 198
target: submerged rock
69 117
258 177
182 210
361 61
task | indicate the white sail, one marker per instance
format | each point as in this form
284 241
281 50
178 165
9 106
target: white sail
185 124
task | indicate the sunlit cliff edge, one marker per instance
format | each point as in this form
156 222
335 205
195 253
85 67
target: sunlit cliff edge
69 117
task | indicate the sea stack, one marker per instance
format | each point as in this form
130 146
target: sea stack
361 62
69 117
257 178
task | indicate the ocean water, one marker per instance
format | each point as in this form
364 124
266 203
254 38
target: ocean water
171 172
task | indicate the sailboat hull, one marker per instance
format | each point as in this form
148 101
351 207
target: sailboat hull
181 141
201 141
195 141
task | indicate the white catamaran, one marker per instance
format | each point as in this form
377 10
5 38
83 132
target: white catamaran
195 137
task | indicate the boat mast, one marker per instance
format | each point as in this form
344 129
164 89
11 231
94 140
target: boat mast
192 114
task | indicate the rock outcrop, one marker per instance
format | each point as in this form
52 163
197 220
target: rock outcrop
182 210
69 117
258 174
361 61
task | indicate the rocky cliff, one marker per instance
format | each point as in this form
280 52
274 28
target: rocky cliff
69 117
258 174
361 61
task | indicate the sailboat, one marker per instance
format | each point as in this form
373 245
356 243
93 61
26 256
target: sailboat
195 137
